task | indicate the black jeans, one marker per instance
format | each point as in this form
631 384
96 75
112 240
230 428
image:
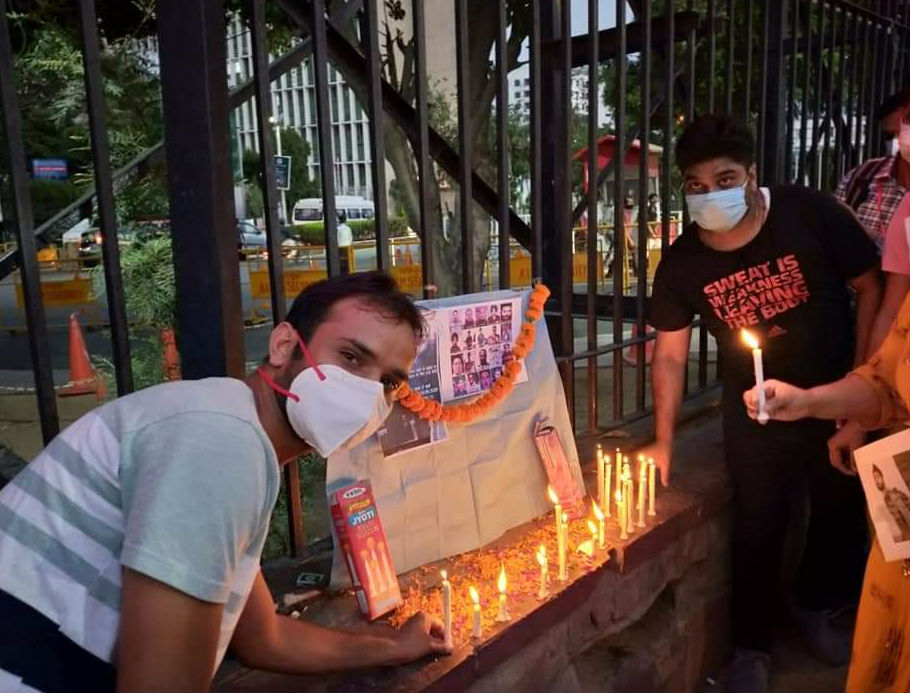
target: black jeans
768 465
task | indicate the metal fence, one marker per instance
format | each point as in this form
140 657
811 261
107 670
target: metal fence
808 74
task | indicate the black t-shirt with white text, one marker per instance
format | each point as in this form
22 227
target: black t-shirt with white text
788 286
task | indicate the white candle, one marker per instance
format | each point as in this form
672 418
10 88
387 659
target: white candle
600 476
563 548
560 534
607 487
628 494
618 460
503 614
752 343
446 607
543 590
652 485
621 515
601 529
476 632
642 483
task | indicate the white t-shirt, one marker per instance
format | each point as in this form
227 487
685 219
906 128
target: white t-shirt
345 235
176 481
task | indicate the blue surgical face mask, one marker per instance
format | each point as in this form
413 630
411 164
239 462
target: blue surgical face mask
718 211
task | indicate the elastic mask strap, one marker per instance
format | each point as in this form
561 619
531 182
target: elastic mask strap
275 386
309 359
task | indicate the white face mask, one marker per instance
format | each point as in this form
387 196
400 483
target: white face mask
903 142
718 211
330 408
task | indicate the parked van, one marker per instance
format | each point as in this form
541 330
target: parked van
353 206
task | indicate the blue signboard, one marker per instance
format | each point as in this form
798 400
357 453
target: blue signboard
282 172
50 169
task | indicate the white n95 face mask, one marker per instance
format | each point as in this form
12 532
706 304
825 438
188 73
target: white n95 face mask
718 211
330 408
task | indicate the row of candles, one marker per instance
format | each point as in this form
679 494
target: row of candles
601 506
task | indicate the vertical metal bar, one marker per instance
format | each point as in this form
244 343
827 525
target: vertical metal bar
270 197
712 52
619 228
502 143
731 33
270 200
691 40
862 110
829 105
324 133
536 145
775 128
791 101
370 37
644 156
763 97
592 235
804 102
816 174
563 204
24 228
667 158
465 147
424 167
750 28
849 140
842 91
872 146
192 53
113 281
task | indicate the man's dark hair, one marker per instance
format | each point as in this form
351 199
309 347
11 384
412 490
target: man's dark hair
893 103
713 136
376 289
342 217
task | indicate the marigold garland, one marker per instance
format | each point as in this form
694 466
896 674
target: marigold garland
431 410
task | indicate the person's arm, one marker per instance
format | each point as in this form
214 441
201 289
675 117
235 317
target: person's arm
266 640
868 290
848 398
668 372
167 639
896 289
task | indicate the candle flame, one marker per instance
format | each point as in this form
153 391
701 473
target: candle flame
474 596
598 513
554 499
748 338
444 574
651 461
542 554
618 496
592 527
641 458
501 583
565 518
586 547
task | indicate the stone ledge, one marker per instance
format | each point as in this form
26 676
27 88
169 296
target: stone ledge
595 631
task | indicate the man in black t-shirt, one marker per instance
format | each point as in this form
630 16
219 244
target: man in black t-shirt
779 262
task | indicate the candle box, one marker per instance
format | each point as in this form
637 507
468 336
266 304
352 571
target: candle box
365 549
559 474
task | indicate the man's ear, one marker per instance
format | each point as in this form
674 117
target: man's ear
283 343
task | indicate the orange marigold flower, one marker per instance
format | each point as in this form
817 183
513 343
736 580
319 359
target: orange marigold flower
533 314
542 290
529 330
520 350
512 369
403 391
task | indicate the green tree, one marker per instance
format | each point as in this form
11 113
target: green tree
302 185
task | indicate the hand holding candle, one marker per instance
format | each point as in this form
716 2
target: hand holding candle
750 341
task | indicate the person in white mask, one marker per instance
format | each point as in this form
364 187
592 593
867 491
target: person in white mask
130 546
779 261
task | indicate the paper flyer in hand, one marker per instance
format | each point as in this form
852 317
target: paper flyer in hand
884 469
475 342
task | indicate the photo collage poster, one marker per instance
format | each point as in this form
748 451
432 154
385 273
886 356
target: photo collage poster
475 342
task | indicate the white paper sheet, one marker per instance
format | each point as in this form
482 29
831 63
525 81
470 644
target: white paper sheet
468 490
884 469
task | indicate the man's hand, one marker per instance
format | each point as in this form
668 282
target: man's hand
841 445
783 402
420 636
662 452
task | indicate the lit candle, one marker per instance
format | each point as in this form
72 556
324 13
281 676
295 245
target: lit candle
628 496
476 632
608 483
544 590
563 568
586 547
503 614
560 535
600 475
601 540
621 515
618 460
642 483
446 607
652 485
752 343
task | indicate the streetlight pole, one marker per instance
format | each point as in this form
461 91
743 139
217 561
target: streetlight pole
282 207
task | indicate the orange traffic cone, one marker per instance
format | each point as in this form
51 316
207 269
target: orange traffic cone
83 379
171 356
